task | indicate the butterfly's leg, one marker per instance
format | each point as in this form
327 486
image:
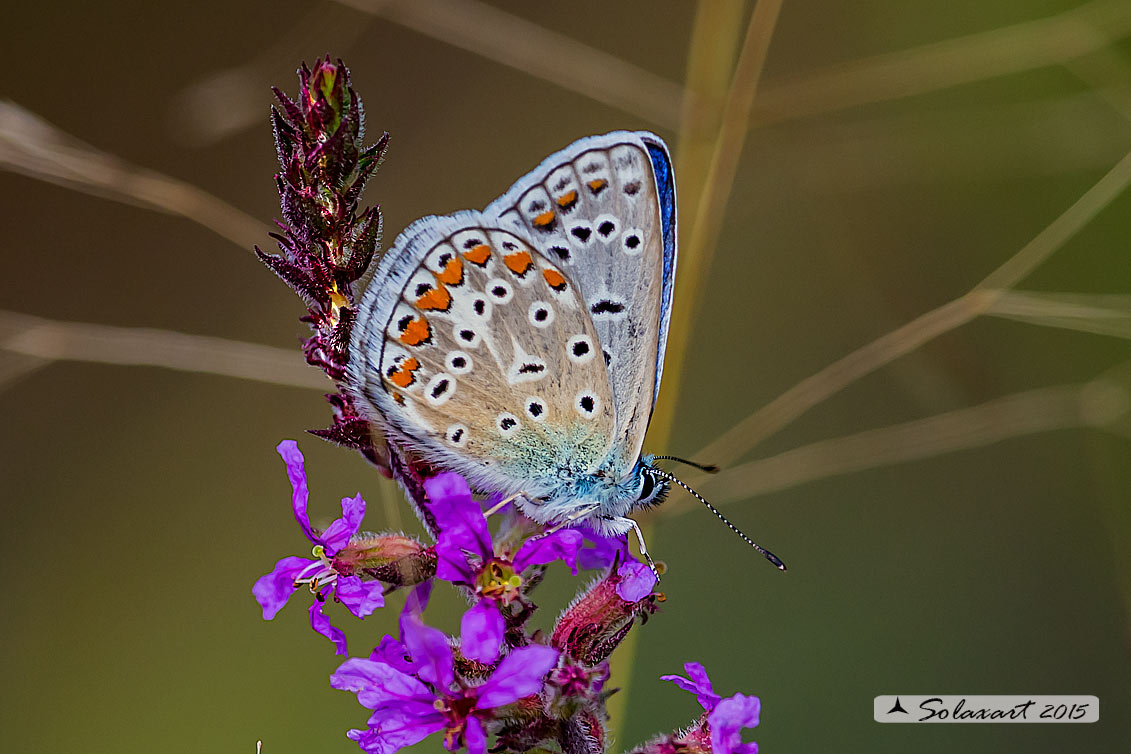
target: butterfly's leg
580 514
643 547
502 504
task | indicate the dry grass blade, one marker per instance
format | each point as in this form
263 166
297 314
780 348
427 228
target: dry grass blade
1099 314
33 147
1100 403
1107 72
714 164
51 340
703 234
715 39
791 404
14 367
532 49
998 52
882 150
1064 227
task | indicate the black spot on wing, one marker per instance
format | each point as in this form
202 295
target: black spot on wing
607 306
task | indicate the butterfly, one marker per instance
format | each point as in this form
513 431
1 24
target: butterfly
523 345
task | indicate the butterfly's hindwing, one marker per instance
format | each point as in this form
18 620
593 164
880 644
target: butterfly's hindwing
523 346
487 358
604 210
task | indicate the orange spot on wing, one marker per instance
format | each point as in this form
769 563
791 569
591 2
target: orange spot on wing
416 333
404 376
567 199
519 262
436 298
554 279
398 398
452 274
597 184
478 255
545 219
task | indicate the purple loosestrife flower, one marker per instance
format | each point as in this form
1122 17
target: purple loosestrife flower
328 570
466 553
414 691
725 717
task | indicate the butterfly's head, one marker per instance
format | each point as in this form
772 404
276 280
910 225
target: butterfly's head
652 488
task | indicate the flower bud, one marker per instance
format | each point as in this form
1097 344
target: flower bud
694 740
395 559
596 622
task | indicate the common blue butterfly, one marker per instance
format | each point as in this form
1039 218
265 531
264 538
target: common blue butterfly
522 346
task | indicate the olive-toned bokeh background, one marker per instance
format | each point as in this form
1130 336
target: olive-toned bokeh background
140 503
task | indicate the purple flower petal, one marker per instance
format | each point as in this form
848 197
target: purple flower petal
460 518
604 551
417 600
296 472
698 683
392 652
274 589
519 675
360 597
413 609
728 719
481 632
474 736
380 686
562 544
320 623
451 562
337 534
431 653
636 582
393 732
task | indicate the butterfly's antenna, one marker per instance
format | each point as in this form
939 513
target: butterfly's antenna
709 468
765 553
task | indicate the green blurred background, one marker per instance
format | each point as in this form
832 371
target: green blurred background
141 503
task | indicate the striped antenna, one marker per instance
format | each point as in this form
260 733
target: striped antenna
709 468
765 553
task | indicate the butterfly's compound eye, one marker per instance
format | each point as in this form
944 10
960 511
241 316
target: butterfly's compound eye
653 489
647 487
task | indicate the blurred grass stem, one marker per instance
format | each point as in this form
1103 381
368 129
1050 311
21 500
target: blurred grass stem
806 394
1100 403
31 146
702 237
525 46
1093 313
918 70
50 340
710 165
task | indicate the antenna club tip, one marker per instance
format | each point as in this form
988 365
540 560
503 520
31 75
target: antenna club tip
712 469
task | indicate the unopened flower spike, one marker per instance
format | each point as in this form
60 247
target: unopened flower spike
327 242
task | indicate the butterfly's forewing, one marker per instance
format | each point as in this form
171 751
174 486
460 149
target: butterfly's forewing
604 210
476 349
